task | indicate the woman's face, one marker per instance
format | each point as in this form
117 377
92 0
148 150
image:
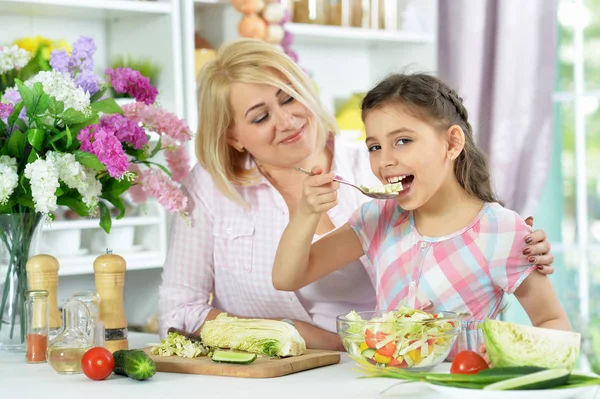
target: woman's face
271 125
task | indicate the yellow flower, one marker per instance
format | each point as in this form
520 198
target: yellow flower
33 43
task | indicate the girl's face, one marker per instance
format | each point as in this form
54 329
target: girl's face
271 125
403 147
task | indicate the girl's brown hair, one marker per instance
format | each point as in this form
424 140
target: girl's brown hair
431 98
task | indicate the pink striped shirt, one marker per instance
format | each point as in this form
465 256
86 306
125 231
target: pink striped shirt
229 251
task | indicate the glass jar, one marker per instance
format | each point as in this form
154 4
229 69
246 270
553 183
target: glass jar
37 319
92 300
67 349
310 11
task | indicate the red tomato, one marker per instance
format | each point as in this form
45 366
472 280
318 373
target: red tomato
370 339
97 363
468 362
397 363
387 350
380 336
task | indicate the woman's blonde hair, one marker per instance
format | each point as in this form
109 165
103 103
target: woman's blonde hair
246 61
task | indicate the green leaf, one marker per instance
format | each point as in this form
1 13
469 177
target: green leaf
71 117
116 187
107 106
33 156
98 94
56 107
26 202
69 137
117 202
6 208
39 102
36 138
16 144
157 148
76 204
26 94
15 114
59 191
89 160
105 220
21 125
91 121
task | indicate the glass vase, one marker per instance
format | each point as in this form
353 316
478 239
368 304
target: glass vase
19 239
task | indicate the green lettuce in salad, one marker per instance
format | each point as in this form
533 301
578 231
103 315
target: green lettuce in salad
404 338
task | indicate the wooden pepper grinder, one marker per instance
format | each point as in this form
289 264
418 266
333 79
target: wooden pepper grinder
109 273
42 274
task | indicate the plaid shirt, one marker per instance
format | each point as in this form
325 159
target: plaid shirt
468 271
229 251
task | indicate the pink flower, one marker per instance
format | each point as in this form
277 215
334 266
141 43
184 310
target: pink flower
158 120
166 192
106 146
125 129
136 191
127 80
177 159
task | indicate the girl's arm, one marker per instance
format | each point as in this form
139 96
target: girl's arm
539 300
298 262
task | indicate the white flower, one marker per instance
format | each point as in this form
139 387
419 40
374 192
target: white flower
8 177
43 177
64 89
13 57
77 176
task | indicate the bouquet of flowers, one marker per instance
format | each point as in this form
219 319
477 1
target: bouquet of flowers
62 142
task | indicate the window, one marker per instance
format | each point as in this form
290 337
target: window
570 207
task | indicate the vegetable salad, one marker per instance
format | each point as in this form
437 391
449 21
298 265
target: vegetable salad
405 338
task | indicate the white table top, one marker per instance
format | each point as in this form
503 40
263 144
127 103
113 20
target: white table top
21 380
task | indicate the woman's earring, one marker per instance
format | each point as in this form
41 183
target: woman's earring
241 149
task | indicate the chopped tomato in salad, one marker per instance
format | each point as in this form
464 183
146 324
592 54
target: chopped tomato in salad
405 338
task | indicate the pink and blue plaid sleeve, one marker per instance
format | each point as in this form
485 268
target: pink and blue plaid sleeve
366 223
508 266
188 274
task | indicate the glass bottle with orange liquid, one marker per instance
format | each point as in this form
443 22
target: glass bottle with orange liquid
37 311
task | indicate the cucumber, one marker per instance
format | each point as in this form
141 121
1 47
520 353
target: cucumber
368 353
539 380
511 370
233 357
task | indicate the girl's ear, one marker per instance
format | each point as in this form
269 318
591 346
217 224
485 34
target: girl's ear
456 142
233 141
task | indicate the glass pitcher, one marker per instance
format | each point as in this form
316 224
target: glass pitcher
66 350
92 300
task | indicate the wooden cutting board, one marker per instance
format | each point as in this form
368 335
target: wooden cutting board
262 367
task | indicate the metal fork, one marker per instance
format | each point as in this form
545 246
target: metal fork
340 179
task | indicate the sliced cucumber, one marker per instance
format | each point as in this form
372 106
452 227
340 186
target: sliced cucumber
233 357
512 370
539 380
368 353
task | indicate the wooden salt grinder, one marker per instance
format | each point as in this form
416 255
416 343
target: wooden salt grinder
109 273
42 274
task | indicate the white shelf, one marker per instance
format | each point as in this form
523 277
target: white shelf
95 223
212 1
337 35
92 9
77 266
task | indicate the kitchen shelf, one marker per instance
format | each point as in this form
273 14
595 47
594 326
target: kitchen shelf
90 9
76 266
337 35
95 223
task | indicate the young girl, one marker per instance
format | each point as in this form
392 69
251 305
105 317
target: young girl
445 242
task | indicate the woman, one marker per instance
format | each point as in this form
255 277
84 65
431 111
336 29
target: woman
259 118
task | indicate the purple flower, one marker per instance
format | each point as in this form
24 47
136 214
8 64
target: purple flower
80 65
126 130
127 80
107 147
88 81
5 110
12 96
59 60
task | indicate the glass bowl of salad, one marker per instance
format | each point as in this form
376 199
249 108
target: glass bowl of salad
404 338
